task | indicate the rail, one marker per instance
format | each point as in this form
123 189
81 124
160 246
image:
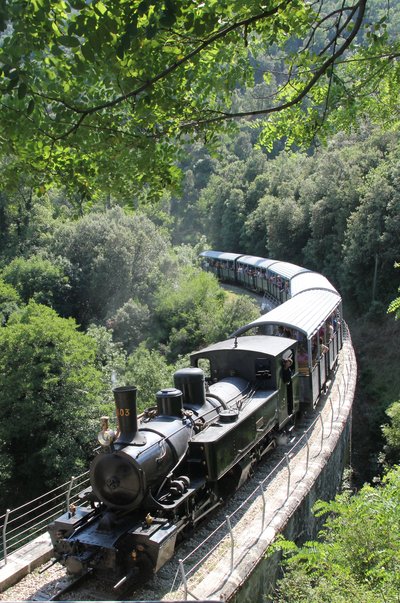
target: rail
25 523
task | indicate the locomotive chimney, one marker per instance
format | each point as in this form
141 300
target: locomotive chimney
125 403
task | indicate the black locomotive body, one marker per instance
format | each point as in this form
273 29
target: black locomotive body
168 469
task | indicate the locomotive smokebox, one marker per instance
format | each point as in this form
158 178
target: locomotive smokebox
169 402
191 382
125 402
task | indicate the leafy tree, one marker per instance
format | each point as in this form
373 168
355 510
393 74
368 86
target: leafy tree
39 279
149 371
85 84
28 217
231 194
194 311
188 222
110 358
9 301
287 228
113 259
186 311
372 239
332 191
391 431
255 228
395 304
50 391
237 311
131 324
358 557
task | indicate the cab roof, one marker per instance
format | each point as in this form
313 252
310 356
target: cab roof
261 344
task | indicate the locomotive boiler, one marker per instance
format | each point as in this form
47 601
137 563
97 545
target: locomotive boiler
162 473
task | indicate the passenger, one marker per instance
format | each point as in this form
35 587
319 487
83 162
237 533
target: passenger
336 321
314 350
302 357
324 348
287 364
280 332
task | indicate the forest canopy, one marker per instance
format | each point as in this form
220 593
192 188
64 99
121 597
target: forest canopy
103 96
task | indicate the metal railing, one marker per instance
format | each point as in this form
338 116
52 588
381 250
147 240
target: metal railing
25 523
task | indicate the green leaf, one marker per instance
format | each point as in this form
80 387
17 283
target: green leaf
87 52
69 41
30 107
99 6
22 90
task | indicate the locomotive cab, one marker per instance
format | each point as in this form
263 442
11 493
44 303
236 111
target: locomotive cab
248 376
258 360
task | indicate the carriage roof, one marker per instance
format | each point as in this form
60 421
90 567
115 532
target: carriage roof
309 280
306 312
220 255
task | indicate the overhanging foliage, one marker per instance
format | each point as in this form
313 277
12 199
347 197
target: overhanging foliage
102 95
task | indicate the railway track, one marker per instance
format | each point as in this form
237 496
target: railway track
61 589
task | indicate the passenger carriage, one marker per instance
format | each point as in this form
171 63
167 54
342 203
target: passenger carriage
252 271
222 264
271 277
279 279
313 318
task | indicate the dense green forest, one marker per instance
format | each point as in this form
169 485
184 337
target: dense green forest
117 296
133 135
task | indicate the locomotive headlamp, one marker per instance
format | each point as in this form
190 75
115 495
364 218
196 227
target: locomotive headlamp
106 436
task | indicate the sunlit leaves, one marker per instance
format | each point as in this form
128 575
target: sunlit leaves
46 365
358 556
126 79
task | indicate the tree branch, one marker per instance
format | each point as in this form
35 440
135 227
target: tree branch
163 74
299 97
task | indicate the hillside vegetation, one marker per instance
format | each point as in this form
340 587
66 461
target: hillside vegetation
128 285
135 134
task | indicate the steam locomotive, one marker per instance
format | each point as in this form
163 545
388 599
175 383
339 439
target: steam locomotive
161 473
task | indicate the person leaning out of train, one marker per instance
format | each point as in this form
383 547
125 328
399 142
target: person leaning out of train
324 348
287 364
